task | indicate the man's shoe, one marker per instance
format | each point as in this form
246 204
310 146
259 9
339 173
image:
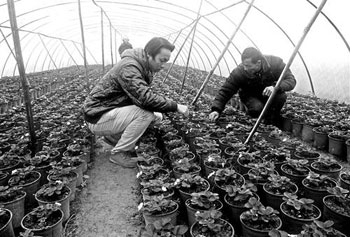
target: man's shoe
123 159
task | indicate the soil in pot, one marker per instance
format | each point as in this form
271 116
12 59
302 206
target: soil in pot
6 229
317 191
293 220
199 231
331 170
295 175
170 213
338 211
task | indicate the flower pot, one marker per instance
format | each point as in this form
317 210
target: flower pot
316 194
293 225
307 133
63 201
344 183
4 177
17 208
234 212
244 168
79 171
194 226
54 230
153 161
209 169
336 146
191 211
347 143
320 140
11 167
149 219
43 172
295 178
72 184
221 189
310 157
30 189
275 200
341 221
166 195
7 229
185 195
286 124
332 173
178 173
297 127
248 231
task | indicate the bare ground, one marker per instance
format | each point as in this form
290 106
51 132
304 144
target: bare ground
107 206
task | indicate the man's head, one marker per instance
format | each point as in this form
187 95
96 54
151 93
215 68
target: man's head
158 51
251 60
125 39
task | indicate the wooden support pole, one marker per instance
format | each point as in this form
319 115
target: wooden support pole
111 41
102 44
21 70
178 53
70 55
211 72
190 50
296 49
47 51
83 42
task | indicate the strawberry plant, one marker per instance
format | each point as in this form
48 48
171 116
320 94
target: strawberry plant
191 183
155 205
239 195
8 193
42 216
53 191
23 176
163 228
302 208
204 200
317 181
227 176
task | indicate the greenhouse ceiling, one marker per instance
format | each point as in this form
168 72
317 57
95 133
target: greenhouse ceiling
51 36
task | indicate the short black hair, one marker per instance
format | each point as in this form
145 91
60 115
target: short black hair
154 46
252 53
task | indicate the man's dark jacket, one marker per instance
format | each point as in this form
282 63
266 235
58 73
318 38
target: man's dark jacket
253 86
127 83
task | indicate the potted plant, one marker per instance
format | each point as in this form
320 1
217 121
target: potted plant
29 180
297 212
315 186
55 192
44 220
147 160
277 157
77 165
152 172
328 167
210 224
259 174
146 149
336 207
8 162
157 208
4 177
202 201
184 166
345 179
236 198
180 153
275 188
295 170
234 148
41 162
27 233
188 184
214 162
6 228
321 136
259 220
66 175
163 228
225 177
322 229
157 187
247 160
336 143
12 198
303 152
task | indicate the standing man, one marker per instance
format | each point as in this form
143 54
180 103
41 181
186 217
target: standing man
255 79
123 103
125 45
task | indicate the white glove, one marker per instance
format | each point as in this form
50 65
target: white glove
159 116
183 109
213 116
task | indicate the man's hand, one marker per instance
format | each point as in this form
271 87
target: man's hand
183 109
268 91
159 116
213 116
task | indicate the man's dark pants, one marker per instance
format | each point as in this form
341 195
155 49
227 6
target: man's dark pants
256 104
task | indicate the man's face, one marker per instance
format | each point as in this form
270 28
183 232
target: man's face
250 67
159 60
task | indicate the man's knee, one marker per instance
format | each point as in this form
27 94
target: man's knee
255 107
279 100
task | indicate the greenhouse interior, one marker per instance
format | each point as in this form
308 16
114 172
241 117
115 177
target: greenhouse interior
158 118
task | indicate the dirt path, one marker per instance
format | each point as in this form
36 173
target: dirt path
108 206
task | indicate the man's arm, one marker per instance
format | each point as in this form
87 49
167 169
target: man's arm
288 82
141 94
229 88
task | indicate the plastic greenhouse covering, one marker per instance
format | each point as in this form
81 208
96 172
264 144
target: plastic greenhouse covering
50 35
